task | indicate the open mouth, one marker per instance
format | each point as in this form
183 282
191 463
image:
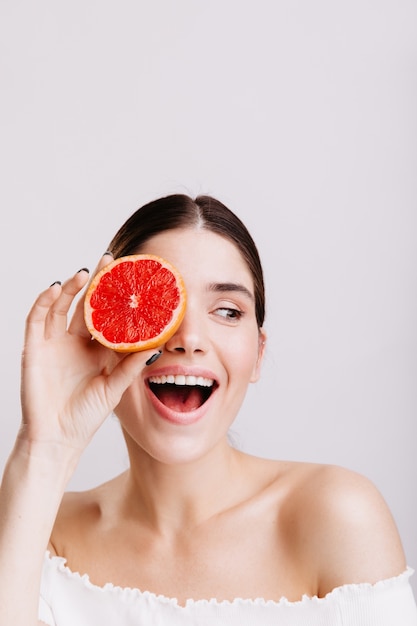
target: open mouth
182 393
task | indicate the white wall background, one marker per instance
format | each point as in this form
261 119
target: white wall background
301 116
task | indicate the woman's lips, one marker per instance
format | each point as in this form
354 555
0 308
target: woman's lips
181 396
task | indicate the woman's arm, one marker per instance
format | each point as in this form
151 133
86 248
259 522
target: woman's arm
70 384
34 481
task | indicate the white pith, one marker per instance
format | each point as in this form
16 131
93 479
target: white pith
180 379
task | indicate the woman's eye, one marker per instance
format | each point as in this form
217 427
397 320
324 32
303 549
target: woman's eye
229 313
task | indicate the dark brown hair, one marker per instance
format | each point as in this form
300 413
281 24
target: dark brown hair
181 211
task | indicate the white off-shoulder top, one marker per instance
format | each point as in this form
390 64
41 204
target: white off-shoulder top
69 599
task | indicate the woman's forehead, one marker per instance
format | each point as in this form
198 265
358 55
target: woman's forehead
201 250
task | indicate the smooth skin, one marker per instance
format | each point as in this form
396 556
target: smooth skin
192 517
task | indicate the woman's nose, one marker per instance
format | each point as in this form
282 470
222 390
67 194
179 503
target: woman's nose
190 336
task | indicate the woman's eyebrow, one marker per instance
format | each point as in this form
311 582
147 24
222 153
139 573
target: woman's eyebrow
221 287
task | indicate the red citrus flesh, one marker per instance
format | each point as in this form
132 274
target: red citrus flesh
137 302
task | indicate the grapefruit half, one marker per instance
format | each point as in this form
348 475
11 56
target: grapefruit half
136 302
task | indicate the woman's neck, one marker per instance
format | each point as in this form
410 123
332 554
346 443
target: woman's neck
174 497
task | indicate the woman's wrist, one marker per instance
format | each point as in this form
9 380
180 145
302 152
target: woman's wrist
52 461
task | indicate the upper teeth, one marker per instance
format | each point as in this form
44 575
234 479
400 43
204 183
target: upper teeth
180 379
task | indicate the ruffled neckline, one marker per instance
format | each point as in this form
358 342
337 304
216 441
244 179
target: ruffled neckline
60 563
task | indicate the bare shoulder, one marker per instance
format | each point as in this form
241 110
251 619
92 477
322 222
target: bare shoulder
78 517
344 526
75 515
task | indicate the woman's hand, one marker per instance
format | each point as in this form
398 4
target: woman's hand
70 383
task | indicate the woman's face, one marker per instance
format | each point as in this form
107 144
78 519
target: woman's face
184 404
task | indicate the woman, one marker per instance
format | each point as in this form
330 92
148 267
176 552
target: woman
195 531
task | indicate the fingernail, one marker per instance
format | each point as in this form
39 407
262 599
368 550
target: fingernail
84 269
57 282
153 358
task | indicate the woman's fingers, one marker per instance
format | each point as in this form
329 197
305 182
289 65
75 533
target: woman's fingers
48 316
125 372
56 319
77 325
35 321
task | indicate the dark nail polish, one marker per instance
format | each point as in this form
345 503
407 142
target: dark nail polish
57 282
153 358
84 269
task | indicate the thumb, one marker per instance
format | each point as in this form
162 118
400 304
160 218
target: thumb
127 370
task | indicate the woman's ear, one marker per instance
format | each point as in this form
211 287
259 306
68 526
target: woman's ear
261 352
